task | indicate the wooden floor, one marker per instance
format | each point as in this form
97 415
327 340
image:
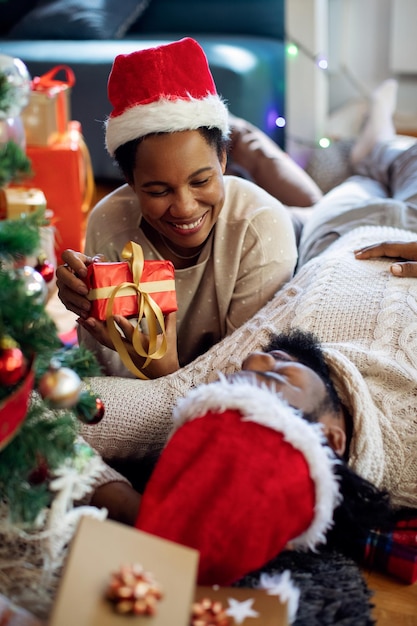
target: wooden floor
395 603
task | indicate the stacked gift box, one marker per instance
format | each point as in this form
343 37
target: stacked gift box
164 570
59 157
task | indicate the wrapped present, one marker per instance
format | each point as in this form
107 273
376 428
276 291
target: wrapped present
82 596
64 173
227 606
46 116
393 552
134 288
157 280
22 200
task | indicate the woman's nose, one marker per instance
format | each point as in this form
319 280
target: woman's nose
184 203
258 362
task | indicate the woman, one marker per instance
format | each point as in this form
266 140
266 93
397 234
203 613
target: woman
232 244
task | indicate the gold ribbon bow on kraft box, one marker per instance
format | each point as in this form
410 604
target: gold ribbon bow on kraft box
134 288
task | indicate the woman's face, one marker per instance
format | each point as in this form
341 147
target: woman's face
178 180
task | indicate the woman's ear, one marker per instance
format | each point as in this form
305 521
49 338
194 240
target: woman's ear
223 161
336 437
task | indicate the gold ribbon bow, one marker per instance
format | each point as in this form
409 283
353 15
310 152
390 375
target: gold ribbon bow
147 308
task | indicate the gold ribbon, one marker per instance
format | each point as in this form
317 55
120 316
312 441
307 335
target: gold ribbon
147 307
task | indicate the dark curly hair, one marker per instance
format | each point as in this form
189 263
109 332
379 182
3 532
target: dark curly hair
125 155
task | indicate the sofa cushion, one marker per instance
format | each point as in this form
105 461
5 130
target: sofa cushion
262 18
11 11
79 19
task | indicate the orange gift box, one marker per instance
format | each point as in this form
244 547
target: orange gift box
63 172
157 280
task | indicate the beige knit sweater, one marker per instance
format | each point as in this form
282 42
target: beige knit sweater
367 321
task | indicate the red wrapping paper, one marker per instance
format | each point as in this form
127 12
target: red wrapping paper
157 279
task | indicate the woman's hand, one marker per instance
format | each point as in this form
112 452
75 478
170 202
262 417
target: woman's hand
157 367
404 251
72 290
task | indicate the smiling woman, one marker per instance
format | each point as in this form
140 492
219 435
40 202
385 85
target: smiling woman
232 244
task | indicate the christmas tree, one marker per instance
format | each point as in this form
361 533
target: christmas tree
44 465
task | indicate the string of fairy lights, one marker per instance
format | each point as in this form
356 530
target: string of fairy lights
293 49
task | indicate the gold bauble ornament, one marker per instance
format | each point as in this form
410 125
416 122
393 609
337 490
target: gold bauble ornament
61 386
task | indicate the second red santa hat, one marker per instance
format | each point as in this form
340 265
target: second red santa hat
241 477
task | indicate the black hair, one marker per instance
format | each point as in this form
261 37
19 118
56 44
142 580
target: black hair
125 155
364 508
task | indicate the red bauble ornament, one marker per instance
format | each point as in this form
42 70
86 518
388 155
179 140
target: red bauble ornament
46 270
12 365
92 416
99 412
90 409
40 474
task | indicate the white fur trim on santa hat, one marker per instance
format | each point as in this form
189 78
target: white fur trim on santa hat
261 405
166 116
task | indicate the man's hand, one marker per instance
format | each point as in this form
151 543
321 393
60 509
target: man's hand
72 290
404 251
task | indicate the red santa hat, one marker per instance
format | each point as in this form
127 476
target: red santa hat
242 476
164 89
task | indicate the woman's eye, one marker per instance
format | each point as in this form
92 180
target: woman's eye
200 183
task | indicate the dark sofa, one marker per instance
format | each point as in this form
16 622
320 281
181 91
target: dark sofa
244 41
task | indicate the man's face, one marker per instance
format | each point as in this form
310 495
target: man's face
301 387
296 383
293 366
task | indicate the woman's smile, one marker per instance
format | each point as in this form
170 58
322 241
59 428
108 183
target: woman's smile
178 180
189 227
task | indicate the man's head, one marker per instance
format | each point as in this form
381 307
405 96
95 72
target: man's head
293 365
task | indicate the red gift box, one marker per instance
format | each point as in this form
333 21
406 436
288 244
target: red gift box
134 288
157 280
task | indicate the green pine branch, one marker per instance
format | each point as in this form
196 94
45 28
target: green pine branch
44 442
47 437
14 164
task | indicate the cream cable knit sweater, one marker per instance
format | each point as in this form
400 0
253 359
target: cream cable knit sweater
367 321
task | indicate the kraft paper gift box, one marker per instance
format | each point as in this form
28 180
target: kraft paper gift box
22 200
247 607
98 549
48 112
